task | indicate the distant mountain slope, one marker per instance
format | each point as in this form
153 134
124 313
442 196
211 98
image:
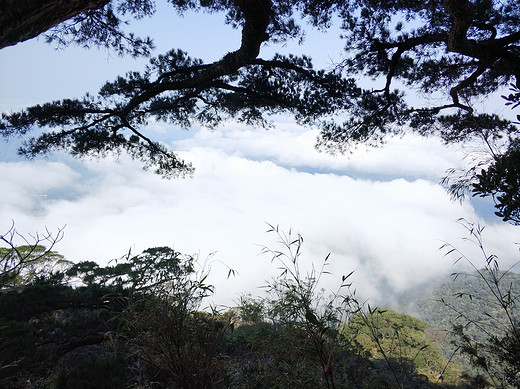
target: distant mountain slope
476 305
467 297
403 342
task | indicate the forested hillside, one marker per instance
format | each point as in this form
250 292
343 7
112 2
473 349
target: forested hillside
466 297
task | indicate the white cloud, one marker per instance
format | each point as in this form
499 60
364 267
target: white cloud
290 145
387 231
26 186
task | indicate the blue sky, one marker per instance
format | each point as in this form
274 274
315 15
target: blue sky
380 212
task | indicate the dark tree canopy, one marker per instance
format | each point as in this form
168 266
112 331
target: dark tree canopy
446 56
454 51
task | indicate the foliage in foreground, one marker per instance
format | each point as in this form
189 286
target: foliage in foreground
140 322
480 308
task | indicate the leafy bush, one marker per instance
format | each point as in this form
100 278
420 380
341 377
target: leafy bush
90 367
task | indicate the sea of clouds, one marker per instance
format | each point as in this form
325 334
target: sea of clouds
379 212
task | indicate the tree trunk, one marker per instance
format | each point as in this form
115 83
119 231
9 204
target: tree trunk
21 20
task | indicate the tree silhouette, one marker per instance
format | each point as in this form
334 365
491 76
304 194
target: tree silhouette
444 56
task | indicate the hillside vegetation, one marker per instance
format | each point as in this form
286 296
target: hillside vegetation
140 322
479 311
467 297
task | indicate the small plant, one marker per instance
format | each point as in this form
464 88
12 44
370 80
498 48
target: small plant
496 352
296 300
166 326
